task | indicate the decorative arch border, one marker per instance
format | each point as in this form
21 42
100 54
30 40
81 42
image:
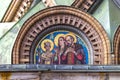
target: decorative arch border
62 15
87 5
116 45
16 10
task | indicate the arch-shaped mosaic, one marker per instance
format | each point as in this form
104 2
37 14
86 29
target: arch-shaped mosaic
116 46
91 32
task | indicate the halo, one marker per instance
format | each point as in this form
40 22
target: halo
57 37
73 35
47 40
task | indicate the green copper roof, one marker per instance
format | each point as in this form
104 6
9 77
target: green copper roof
114 18
5 27
64 2
102 15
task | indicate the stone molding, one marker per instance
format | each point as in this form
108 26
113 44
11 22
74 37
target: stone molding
87 5
58 68
16 10
116 46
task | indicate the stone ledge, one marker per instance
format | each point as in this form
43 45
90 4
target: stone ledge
59 68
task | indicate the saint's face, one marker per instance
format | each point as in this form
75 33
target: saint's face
47 46
61 41
69 41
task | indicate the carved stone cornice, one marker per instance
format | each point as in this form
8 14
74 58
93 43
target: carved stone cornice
77 3
87 5
59 68
16 10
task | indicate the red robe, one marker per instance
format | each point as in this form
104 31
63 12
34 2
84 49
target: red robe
72 58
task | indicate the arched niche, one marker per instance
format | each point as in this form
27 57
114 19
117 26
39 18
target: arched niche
116 46
61 18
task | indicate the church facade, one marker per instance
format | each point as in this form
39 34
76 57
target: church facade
60 39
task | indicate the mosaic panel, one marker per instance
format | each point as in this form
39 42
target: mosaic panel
61 47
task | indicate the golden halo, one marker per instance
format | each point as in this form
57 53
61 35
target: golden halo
57 37
73 35
44 41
